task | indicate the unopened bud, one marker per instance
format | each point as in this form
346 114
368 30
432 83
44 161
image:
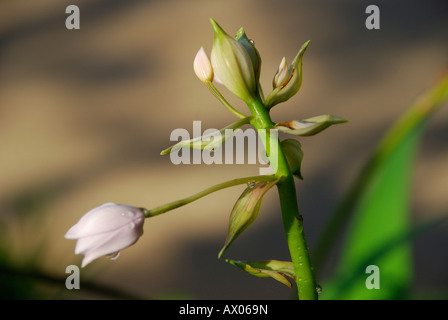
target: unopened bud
106 230
203 67
232 64
245 210
310 126
281 75
287 85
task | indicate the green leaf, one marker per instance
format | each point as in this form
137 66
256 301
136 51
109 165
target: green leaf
278 270
245 210
339 287
379 205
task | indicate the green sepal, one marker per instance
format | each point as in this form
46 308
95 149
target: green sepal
292 83
254 55
203 142
294 155
245 210
310 126
282 271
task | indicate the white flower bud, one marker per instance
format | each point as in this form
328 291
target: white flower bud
282 74
232 64
105 230
203 67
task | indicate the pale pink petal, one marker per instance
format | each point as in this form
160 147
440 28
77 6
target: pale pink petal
105 218
87 243
202 66
106 230
113 242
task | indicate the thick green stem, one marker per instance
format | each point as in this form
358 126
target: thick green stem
292 220
295 236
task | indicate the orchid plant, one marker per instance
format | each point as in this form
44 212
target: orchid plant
236 64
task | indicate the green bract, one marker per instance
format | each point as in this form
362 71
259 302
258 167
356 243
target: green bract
294 155
281 271
248 44
310 126
246 209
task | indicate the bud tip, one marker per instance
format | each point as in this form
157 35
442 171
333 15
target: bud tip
202 66
216 27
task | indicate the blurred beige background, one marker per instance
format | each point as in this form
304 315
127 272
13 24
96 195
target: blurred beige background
85 113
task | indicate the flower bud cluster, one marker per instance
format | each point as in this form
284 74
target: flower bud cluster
236 63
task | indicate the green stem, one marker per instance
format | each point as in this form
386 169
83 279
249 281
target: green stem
292 220
219 96
203 193
295 236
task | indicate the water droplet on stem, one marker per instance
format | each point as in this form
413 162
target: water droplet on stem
318 289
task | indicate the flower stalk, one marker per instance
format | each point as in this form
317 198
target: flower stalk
179 203
204 71
292 220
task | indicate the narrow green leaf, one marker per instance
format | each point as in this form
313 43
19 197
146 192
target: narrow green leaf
379 202
381 215
336 288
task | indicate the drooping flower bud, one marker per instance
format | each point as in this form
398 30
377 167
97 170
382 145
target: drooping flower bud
232 65
106 230
203 67
289 84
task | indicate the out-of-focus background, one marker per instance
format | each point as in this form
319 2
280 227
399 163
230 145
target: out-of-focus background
85 113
